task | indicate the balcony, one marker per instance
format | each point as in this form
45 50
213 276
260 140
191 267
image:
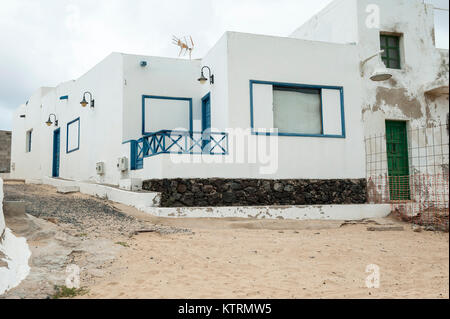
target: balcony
177 142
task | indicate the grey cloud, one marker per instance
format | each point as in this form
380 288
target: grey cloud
47 42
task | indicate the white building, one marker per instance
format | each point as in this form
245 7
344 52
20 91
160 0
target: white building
258 85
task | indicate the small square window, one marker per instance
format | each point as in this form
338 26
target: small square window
28 141
391 46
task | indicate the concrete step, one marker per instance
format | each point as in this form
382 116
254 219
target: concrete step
67 189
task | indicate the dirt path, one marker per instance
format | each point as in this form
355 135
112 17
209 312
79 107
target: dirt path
71 229
226 258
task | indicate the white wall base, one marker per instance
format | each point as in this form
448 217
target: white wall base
33 181
140 200
17 254
312 212
131 184
149 202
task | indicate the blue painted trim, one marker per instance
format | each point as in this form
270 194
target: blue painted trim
191 124
206 97
321 110
300 86
64 97
206 122
67 135
56 152
174 142
297 85
342 112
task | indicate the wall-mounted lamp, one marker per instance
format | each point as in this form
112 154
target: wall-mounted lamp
380 74
143 64
49 121
202 79
84 102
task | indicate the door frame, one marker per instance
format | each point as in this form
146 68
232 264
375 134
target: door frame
56 153
206 137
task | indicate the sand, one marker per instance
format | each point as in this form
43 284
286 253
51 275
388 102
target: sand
277 259
221 258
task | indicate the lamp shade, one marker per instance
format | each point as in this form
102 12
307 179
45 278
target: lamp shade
84 102
380 75
202 79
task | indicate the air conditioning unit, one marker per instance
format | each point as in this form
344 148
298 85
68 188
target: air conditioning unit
100 168
122 164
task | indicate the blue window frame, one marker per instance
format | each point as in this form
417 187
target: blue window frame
299 86
70 145
144 97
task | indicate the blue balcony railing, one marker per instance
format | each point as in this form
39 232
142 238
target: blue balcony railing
177 142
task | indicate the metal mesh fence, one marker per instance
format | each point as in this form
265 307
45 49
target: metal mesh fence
414 179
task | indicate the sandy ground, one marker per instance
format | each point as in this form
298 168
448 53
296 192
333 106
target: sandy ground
239 258
278 259
63 230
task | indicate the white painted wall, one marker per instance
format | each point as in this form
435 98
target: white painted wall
119 82
336 23
300 157
15 252
404 97
217 59
23 164
164 114
309 212
331 112
100 127
422 64
262 106
161 77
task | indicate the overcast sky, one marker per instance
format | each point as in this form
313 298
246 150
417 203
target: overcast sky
46 42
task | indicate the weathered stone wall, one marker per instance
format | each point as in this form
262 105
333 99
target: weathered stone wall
2 219
256 192
5 151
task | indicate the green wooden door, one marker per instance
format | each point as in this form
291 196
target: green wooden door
397 156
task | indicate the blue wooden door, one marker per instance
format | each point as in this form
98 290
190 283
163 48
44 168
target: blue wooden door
56 147
206 123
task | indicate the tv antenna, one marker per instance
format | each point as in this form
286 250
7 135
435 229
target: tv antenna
185 45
